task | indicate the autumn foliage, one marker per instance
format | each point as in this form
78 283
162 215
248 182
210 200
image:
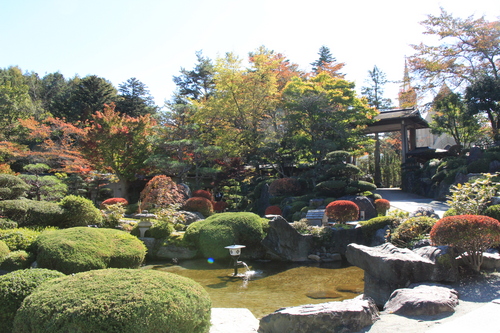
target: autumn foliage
220 206
285 186
382 206
203 194
342 210
113 201
470 234
161 192
200 205
272 210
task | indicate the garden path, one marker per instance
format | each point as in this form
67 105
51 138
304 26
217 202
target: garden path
409 202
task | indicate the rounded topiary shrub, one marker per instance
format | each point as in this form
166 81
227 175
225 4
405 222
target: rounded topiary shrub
363 186
113 201
372 225
220 206
19 238
285 187
8 224
12 187
382 206
4 250
200 205
203 194
79 211
412 230
116 301
273 210
32 213
160 229
471 235
15 287
450 212
17 260
342 211
81 249
210 236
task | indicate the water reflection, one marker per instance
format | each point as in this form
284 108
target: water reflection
268 286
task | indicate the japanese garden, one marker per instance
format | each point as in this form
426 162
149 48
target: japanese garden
258 185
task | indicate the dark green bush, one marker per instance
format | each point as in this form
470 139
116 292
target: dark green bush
480 166
363 186
345 170
412 230
17 260
338 156
19 238
32 213
80 249
79 211
8 224
160 229
220 230
371 226
12 187
116 301
331 187
493 211
15 287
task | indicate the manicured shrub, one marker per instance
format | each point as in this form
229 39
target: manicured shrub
113 201
19 238
273 210
161 229
4 250
220 206
342 211
200 205
79 211
471 235
112 215
15 287
450 212
220 230
382 206
372 225
285 186
493 211
32 213
338 156
8 224
12 187
116 301
345 170
203 194
161 192
81 248
17 260
412 230
363 186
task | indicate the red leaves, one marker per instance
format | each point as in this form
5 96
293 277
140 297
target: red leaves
199 204
342 210
273 210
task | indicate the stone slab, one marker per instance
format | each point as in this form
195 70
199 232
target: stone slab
233 320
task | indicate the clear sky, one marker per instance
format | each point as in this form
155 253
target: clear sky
152 39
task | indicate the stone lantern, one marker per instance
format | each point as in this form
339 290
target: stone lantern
145 222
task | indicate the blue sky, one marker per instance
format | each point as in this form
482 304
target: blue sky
152 39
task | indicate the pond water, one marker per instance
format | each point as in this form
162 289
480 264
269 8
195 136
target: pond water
268 286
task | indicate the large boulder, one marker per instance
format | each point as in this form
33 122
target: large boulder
365 205
190 217
446 266
426 300
285 242
388 268
346 316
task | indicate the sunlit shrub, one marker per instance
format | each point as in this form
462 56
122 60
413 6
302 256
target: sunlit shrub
15 287
473 197
382 206
493 211
200 205
203 194
79 211
372 225
112 215
285 186
273 210
412 230
471 235
342 211
17 260
113 201
19 238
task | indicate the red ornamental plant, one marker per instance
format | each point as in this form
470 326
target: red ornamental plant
113 201
342 211
285 186
203 194
220 206
200 205
272 210
161 192
382 206
471 235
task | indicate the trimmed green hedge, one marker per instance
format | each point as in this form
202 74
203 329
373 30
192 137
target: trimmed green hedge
372 225
4 251
32 213
19 238
81 249
116 300
220 230
15 287
8 224
79 211
12 187
493 211
17 260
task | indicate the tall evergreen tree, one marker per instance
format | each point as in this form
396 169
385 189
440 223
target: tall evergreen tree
327 63
134 99
195 84
374 92
90 95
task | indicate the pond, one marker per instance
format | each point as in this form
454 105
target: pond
268 286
